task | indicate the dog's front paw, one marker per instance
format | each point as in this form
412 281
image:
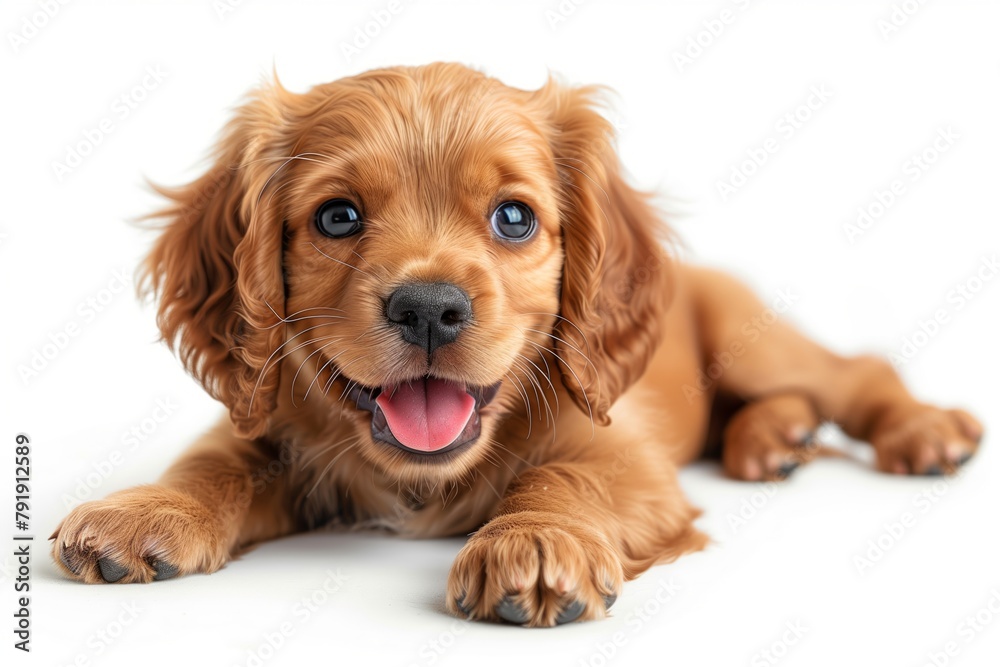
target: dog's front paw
536 569
139 535
926 440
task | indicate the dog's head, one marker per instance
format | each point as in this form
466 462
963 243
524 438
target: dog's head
431 248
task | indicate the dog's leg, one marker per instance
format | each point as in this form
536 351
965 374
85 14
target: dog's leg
567 535
770 437
204 508
862 395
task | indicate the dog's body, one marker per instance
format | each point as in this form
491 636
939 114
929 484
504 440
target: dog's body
545 405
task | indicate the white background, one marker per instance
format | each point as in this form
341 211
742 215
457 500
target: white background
683 129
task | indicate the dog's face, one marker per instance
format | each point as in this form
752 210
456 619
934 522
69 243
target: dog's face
426 227
420 248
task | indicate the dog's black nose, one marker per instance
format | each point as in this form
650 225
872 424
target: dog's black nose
429 314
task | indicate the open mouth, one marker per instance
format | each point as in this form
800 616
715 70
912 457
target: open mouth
426 415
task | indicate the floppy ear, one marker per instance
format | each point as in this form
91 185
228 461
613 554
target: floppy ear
615 282
216 267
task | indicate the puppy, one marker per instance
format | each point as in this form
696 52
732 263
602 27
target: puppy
433 305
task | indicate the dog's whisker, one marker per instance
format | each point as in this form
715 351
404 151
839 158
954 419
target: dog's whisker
548 371
513 453
347 389
264 368
319 372
531 382
373 268
570 322
548 378
545 374
490 484
566 343
331 340
527 402
607 220
306 157
278 189
324 450
268 365
329 466
597 185
301 156
583 391
540 391
338 373
290 319
503 460
350 266
524 397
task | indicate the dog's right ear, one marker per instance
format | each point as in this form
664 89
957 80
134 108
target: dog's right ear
616 276
216 266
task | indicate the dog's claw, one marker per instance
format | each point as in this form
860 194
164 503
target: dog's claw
164 570
110 570
511 612
787 469
609 600
72 565
460 603
570 613
934 471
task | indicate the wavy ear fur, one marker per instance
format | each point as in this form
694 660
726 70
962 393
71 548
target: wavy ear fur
615 283
216 266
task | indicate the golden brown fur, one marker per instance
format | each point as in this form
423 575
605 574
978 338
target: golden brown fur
594 332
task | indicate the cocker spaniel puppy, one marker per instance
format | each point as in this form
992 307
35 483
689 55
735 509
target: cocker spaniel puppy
433 305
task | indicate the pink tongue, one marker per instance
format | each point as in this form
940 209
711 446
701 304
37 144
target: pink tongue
426 414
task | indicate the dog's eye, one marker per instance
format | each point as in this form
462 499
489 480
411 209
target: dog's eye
338 218
513 221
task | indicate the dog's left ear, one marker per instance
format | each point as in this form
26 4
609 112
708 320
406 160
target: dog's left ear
615 283
217 266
